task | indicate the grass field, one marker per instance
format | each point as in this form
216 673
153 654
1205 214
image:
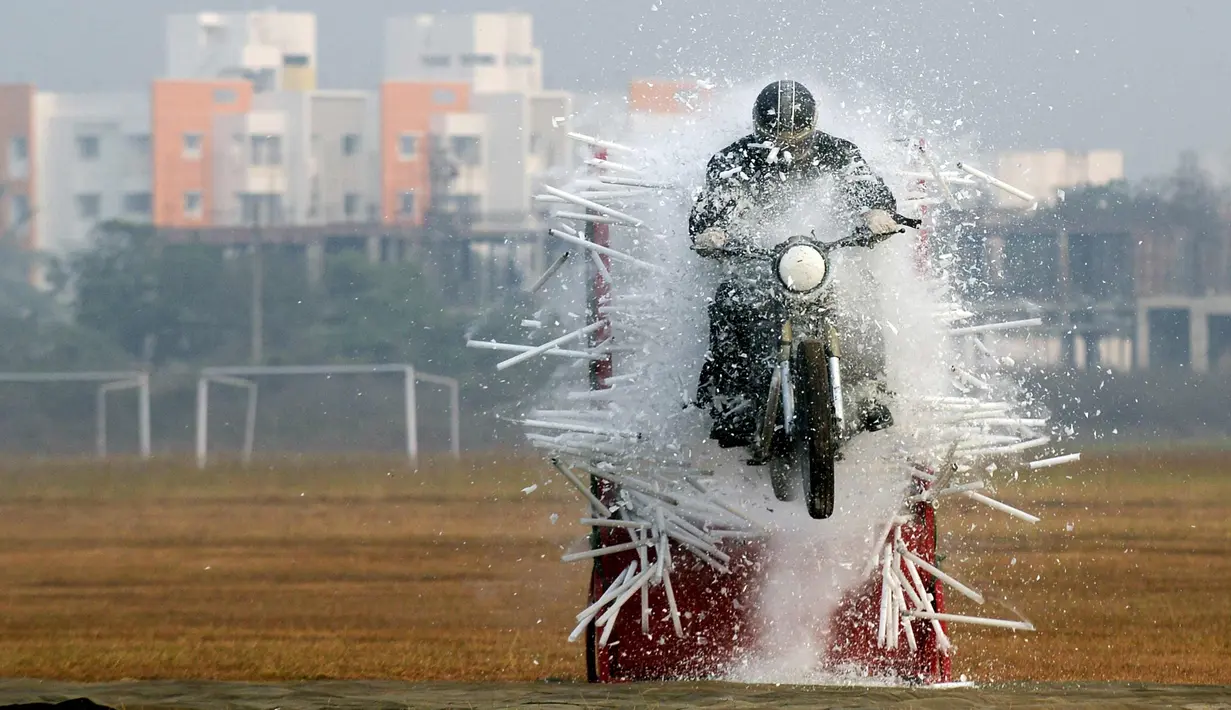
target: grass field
363 569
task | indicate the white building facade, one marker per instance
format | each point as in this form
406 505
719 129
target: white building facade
92 158
274 50
517 132
299 158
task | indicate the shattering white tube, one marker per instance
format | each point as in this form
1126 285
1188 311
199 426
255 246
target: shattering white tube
643 555
908 588
982 621
582 217
551 270
665 551
603 250
1009 325
884 624
944 184
611 165
550 345
602 268
609 616
935 572
942 641
595 503
996 181
609 523
1055 461
603 551
579 428
606 619
1022 515
612 592
599 143
514 348
590 204
1010 449
613 194
633 182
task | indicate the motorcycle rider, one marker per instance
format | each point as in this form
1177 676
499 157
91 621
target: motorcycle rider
784 153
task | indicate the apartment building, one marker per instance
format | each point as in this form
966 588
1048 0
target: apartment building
70 161
298 158
471 88
276 51
186 146
19 174
1044 173
235 133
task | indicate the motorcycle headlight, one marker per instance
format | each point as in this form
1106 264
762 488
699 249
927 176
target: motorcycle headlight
801 268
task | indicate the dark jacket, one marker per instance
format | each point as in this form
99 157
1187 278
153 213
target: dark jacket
743 170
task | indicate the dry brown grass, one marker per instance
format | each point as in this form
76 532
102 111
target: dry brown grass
361 568
1128 576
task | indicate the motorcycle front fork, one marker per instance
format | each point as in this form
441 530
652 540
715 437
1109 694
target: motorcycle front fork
783 383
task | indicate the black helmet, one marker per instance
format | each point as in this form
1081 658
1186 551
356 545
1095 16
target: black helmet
785 111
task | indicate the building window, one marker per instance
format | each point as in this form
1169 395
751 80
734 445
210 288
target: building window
350 144
19 149
350 205
406 204
20 211
266 150
19 157
478 60
89 206
520 60
437 60
408 146
139 143
263 80
87 148
294 60
442 97
192 145
137 203
464 204
225 96
193 207
465 149
260 208
214 34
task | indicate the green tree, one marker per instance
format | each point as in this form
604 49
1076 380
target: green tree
157 302
379 313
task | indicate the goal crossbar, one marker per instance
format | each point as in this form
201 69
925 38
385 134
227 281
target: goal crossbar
237 377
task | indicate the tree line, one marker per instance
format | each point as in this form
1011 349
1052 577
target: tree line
130 301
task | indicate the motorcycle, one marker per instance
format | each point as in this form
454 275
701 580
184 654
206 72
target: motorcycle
803 425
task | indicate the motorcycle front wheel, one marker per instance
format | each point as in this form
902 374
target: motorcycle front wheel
816 444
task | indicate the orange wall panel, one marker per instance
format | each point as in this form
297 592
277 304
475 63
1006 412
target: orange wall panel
408 107
17 119
188 106
661 95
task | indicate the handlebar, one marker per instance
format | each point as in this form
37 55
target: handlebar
861 237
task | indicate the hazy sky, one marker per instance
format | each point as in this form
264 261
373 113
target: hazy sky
1147 76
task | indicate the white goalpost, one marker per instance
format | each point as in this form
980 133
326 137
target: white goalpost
111 382
238 377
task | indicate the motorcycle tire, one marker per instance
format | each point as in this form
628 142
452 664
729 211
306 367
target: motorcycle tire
780 467
816 445
786 486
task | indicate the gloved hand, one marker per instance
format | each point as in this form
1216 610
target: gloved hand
710 241
881 223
